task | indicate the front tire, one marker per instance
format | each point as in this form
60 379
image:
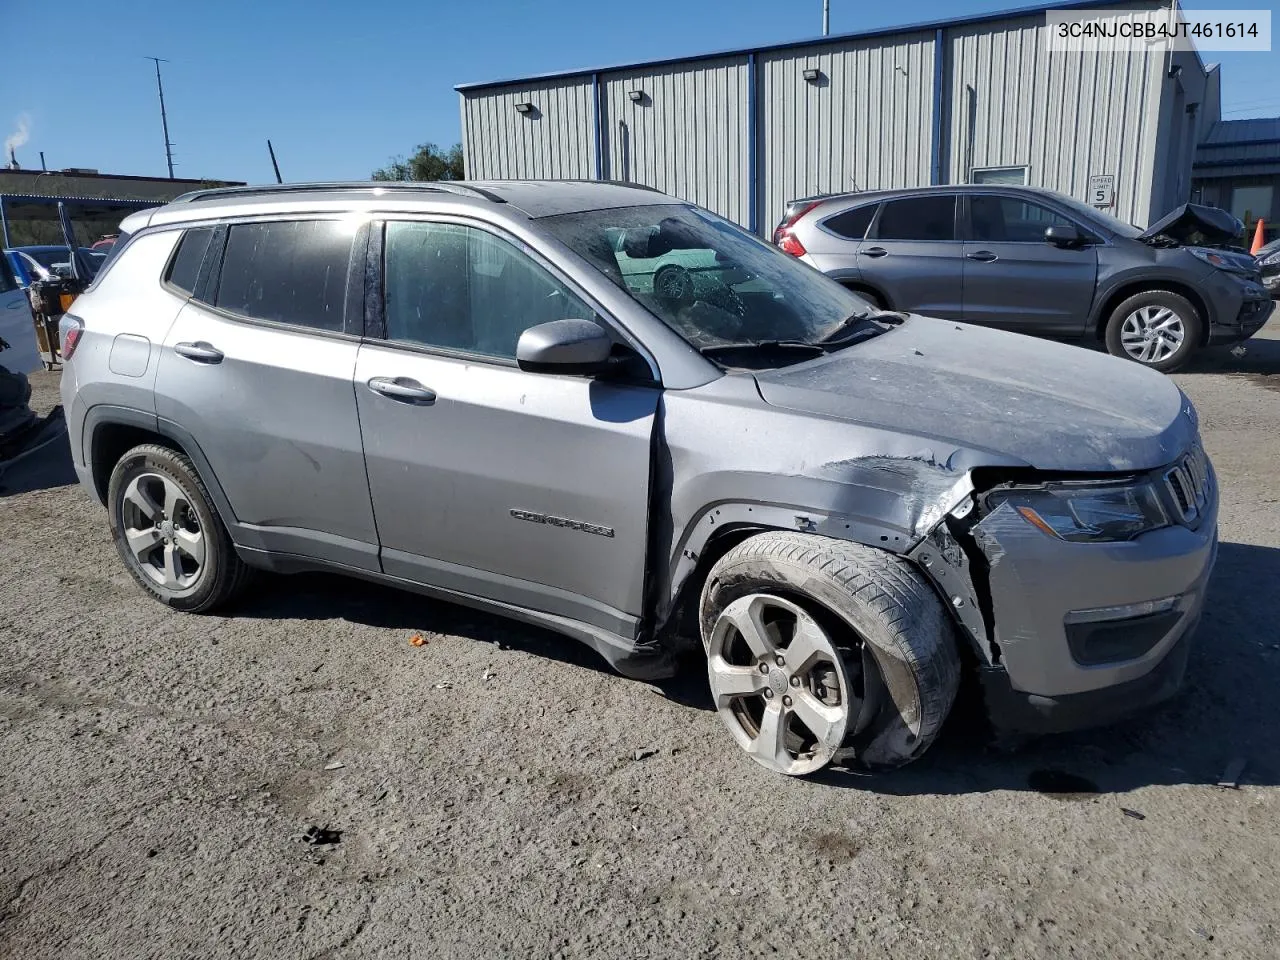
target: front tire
822 650
167 532
1157 328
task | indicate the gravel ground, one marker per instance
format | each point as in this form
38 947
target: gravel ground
159 770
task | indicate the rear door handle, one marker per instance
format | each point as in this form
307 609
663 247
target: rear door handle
199 351
404 389
875 252
982 256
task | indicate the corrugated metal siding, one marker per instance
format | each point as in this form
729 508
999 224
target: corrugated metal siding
556 142
1065 116
866 124
687 137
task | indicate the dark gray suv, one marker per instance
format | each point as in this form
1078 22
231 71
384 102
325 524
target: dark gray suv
1038 262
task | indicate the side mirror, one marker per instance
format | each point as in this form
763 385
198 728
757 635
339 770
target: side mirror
1062 235
564 346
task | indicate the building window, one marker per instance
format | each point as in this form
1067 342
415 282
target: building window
1004 176
1250 203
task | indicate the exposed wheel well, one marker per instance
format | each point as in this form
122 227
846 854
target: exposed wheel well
1141 286
878 298
111 441
682 620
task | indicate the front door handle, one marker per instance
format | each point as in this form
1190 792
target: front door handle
875 252
982 256
403 389
199 351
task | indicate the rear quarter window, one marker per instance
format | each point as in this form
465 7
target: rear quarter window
852 224
184 268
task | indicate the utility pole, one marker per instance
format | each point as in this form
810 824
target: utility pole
164 120
826 17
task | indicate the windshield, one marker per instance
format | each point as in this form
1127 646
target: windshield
707 279
1104 220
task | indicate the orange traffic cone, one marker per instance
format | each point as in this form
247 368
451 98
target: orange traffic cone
1258 239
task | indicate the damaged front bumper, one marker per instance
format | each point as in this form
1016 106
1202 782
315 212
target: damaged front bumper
1071 634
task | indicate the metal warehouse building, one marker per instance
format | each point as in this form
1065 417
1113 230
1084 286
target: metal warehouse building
978 99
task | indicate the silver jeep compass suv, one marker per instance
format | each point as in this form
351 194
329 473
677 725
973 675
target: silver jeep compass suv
596 408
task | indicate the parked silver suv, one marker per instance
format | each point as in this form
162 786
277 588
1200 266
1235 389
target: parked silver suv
599 409
1038 262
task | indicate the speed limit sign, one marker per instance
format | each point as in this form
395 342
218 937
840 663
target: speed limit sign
1102 190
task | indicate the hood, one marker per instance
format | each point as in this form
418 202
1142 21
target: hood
1194 225
1011 397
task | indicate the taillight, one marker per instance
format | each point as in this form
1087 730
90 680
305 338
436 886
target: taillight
783 238
787 243
71 329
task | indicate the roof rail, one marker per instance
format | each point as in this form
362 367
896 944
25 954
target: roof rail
616 183
434 186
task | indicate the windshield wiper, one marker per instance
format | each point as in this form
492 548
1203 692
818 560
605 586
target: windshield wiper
850 330
720 349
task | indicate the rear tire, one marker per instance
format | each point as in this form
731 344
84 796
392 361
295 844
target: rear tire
168 534
895 655
1158 328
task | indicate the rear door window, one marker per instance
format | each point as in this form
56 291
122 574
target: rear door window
184 269
931 217
852 224
292 271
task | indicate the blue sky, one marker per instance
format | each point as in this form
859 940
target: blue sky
341 87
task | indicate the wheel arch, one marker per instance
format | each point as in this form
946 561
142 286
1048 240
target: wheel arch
722 526
111 431
1129 288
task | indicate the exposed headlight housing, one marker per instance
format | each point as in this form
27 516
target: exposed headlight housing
1219 260
1088 513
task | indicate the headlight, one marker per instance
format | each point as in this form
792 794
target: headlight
1088 514
1273 258
1215 259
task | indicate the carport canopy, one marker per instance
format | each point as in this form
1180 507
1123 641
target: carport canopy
28 208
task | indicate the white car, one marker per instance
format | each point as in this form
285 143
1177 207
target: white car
17 328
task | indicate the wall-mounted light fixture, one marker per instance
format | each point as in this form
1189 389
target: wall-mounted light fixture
635 96
524 108
812 74
1175 71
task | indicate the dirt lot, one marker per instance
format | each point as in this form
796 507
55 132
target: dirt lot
159 771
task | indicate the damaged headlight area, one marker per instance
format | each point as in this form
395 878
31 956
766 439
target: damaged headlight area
1086 513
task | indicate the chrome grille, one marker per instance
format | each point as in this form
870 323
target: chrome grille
1188 484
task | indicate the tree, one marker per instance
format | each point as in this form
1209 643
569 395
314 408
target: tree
429 162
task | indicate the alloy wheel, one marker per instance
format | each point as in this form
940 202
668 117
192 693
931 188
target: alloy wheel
1152 334
779 684
162 531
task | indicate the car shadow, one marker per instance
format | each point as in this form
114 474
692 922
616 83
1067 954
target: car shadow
324 596
1228 712
1259 363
